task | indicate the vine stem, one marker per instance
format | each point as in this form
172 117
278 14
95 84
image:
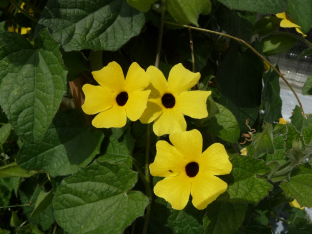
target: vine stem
278 218
147 174
250 47
295 36
192 49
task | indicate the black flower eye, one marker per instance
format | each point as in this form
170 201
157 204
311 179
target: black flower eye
168 100
122 98
192 169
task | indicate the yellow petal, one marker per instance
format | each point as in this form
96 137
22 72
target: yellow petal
25 30
189 143
159 85
193 103
137 79
152 111
244 151
205 189
114 117
215 160
299 31
175 190
281 15
97 99
170 121
168 161
282 121
110 77
295 204
11 28
180 79
136 104
285 23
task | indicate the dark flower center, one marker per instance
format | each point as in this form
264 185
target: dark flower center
122 98
168 100
192 169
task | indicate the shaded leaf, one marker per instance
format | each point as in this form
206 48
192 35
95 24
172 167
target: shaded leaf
143 6
267 25
13 170
264 6
301 12
68 145
304 53
244 183
292 135
43 202
263 142
93 25
307 87
277 44
239 81
298 120
5 131
102 203
33 73
224 218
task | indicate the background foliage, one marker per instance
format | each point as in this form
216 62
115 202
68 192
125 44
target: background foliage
58 174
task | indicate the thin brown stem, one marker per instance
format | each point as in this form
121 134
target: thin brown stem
192 49
250 47
161 31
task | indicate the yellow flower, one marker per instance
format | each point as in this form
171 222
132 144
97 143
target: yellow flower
170 100
244 151
189 171
288 22
282 121
23 30
116 98
295 204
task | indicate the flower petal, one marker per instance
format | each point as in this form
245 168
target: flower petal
170 121
285 23
295 204
299 31
97 99
152 111
137 79
136 104
180 79
189 143
175 190
114 117
159 85
205 189
168 161
193 103
215 160
281 15
110 77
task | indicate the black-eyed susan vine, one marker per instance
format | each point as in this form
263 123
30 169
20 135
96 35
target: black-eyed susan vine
152 117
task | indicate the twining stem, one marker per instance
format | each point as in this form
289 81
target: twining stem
278 218
250 47
148 133
192 49
295 36
23 11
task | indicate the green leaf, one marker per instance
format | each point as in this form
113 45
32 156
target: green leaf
223 125
300 185
271 100
267 25
240 82
29 192
13 170
94 27
277 44
68 145
44 201
33 73
5 131
263 142
224 218
307 87
186 12
234 23
189 220
300 226
15 221
298 120
263 6
141 5
304 53
115 152
77 64
301 12
292 135
278 156
307 134
244 183
101 202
